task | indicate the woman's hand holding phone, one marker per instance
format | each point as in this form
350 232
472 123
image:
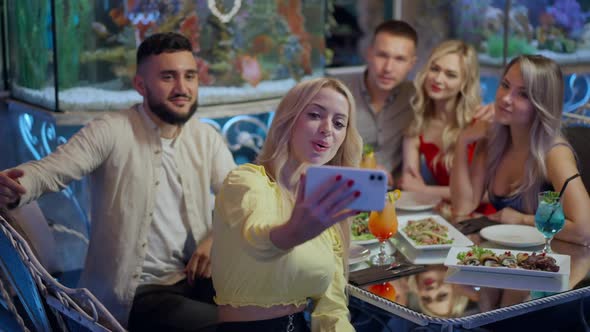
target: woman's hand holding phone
312 214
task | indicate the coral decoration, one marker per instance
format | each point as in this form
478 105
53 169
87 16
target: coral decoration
203 71
568 14
249 69
190 28
118 17
262 44
291 10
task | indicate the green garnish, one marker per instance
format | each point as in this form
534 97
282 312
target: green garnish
551 197
475 252
368 148
360 227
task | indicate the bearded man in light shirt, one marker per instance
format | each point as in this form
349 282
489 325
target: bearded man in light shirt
152 169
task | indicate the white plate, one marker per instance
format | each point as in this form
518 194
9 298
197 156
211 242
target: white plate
412 201
563 261
516 236
459 240
507 281
419 257
358 254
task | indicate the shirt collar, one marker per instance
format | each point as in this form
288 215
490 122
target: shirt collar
365 91
147 118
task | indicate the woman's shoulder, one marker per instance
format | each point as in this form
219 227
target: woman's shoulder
559 148
560 160
248 174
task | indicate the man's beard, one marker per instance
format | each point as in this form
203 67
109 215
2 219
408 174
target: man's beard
165 114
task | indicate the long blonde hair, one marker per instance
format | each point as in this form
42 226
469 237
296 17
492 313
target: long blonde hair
275 151
467 100
543 82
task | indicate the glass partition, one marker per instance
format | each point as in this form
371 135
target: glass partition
246 50
31 51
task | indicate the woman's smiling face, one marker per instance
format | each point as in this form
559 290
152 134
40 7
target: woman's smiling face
321 128
513 105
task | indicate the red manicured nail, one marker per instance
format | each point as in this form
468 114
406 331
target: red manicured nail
338 177
357 193
350 183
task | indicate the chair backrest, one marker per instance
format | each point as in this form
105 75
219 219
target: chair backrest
36 231
76 305
579 138
21 280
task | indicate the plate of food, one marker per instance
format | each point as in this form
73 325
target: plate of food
413 201
359 230
358 254
516 236
512 262
430 232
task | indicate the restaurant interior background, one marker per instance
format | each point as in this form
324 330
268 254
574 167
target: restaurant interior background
66 61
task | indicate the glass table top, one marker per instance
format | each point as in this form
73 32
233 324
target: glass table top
442 292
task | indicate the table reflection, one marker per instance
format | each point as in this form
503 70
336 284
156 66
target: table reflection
428 293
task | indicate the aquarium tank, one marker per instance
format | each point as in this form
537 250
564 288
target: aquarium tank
349 29
80 55
558 29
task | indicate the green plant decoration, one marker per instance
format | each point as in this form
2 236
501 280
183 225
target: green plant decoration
516 46
29 24
72 19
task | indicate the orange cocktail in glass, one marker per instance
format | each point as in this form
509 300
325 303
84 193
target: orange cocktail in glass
369 161
385 290
383 225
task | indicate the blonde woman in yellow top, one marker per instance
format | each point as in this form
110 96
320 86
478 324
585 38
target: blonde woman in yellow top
274 249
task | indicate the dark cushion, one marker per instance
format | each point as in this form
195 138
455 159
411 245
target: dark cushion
579 138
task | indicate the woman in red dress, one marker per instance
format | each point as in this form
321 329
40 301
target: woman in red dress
447 100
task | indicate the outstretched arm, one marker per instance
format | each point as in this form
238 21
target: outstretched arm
467 181
80 155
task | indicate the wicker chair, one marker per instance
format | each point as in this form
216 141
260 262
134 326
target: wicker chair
71 309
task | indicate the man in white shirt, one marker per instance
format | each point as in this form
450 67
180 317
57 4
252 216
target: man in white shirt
152 169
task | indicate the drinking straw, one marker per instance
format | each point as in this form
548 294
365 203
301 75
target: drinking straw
562 191
566 182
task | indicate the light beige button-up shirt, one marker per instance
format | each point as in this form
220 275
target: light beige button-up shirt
121 152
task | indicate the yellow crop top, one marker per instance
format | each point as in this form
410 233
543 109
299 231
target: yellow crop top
247 269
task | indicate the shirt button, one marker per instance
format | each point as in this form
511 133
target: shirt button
157 183
151 214
157 151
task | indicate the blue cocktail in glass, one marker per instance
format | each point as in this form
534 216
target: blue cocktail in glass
549 218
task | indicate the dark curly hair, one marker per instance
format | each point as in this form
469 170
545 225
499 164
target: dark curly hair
158 43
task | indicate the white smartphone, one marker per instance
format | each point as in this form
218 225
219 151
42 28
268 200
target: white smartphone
372 183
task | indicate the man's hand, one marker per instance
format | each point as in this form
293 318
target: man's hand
199 266
10 188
